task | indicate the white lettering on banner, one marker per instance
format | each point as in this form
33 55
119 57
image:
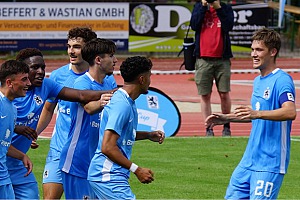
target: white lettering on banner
241 16
151 119
246 27
164 17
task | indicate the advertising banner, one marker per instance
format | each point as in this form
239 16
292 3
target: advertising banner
162 27
134 27
45 25
247 19
157 111
158 27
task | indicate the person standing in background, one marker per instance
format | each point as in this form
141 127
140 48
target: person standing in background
260 173
65 76
212 23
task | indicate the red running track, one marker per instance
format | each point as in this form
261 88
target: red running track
181 88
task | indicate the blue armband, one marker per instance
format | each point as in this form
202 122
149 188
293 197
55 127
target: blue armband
286 96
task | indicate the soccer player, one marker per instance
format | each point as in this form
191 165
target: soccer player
14 83
85 119
65 76
29 111
260 173
110 167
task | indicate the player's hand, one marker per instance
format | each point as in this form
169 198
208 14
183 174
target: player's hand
215 119
157 136
26 131
144 175
105 98
34 144
28 164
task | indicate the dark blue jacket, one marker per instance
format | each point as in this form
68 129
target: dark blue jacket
225 14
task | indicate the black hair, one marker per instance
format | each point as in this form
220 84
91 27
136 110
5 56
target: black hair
97 47
27 53
132 67
12 67
85 33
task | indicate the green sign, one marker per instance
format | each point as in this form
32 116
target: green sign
158 27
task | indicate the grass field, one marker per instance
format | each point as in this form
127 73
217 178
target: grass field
188 168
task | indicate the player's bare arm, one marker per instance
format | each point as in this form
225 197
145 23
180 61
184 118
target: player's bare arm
26 131
96 106
286 112
82 96
220 119
155 136
15 153
112 151
46 116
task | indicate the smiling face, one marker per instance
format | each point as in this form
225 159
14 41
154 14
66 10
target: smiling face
74 50
36 70
261 55
18 84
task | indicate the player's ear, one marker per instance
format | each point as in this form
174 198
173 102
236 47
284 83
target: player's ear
141 79
98 60
273 52
8 83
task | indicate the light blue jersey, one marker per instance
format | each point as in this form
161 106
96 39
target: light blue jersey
259 174
268 147
121 116
64 76
29 109
83 137
8 116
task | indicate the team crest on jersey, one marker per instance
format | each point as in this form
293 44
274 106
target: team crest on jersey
38 100
267 93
